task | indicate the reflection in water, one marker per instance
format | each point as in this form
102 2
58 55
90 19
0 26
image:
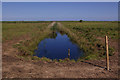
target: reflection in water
53 35
62 33
56 47
44 47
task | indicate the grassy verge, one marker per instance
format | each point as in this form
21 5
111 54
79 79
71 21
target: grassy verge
35 31
13 31
86 35
27 47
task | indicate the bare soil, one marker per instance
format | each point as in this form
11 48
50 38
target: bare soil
14 67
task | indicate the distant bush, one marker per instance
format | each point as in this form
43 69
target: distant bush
81 21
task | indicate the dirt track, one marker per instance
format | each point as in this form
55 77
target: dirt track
14 67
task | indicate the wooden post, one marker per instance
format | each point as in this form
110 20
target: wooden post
107 53
69 53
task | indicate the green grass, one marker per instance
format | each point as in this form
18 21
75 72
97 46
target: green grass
28 46
26 21
12 31
30 33
86 35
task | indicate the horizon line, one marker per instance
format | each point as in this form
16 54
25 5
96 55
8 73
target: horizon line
60 20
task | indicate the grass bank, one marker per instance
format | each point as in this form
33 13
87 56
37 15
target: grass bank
88 36
27 47
33 32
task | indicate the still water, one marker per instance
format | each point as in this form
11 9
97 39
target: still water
56 47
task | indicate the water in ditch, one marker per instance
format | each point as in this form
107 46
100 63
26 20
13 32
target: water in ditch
56 47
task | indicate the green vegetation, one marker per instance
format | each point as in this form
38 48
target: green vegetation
26 21
81 20
90 36
28 46
27 34
13 31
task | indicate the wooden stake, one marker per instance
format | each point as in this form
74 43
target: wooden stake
107 53
69 53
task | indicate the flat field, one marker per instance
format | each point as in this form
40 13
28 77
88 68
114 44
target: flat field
20 39
90 36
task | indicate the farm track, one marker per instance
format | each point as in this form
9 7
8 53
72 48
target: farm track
14 67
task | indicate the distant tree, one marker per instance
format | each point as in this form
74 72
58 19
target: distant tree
81 21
